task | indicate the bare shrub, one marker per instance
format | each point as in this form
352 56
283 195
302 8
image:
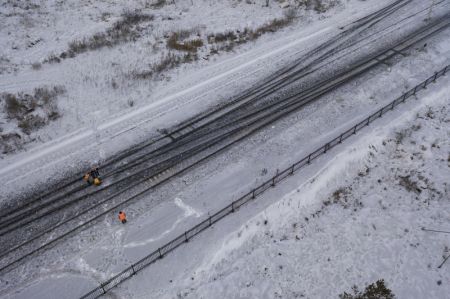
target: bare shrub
214 50
376 290
142 75
13 106
32 111
400 136
176 42
166 63
10 142
32 123
170 61
52 59
319 6
36 66
409 184
222 37
48 95
158 4
5 64
121 31
342 197
273 26
226 41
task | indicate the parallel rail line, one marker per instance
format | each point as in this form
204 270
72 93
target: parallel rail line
189 125
185 151
159 253
27 209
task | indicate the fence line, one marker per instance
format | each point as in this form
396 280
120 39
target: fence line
107 285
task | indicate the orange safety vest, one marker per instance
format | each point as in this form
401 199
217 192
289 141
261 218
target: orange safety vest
122 216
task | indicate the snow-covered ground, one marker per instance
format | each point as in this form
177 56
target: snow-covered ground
71 268
358 219
99 83
97 253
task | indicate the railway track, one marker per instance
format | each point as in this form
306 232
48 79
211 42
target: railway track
133 173
74 184
189 127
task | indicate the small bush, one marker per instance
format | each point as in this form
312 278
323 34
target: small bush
400 136
121 31
166 62
158 4
214 50
410 185
13 107
228 40
170 61
36 66
142 75
377 290
52 59
32 123
10 142
222 37
341 197
32 111
175 42
272 26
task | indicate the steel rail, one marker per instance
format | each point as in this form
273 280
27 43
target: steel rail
267 121
137 148
158 254
11 214
7 222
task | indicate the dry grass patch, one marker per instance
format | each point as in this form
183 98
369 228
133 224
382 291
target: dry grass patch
32 111
124 30
177 41
319 6
166 62
226 41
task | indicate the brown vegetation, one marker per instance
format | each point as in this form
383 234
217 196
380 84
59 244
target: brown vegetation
24 107
121 31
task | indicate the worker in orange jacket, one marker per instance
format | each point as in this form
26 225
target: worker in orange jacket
122 217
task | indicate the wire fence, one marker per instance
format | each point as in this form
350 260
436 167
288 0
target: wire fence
104 287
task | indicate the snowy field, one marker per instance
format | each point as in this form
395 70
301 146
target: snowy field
358 220
103 82
363 221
